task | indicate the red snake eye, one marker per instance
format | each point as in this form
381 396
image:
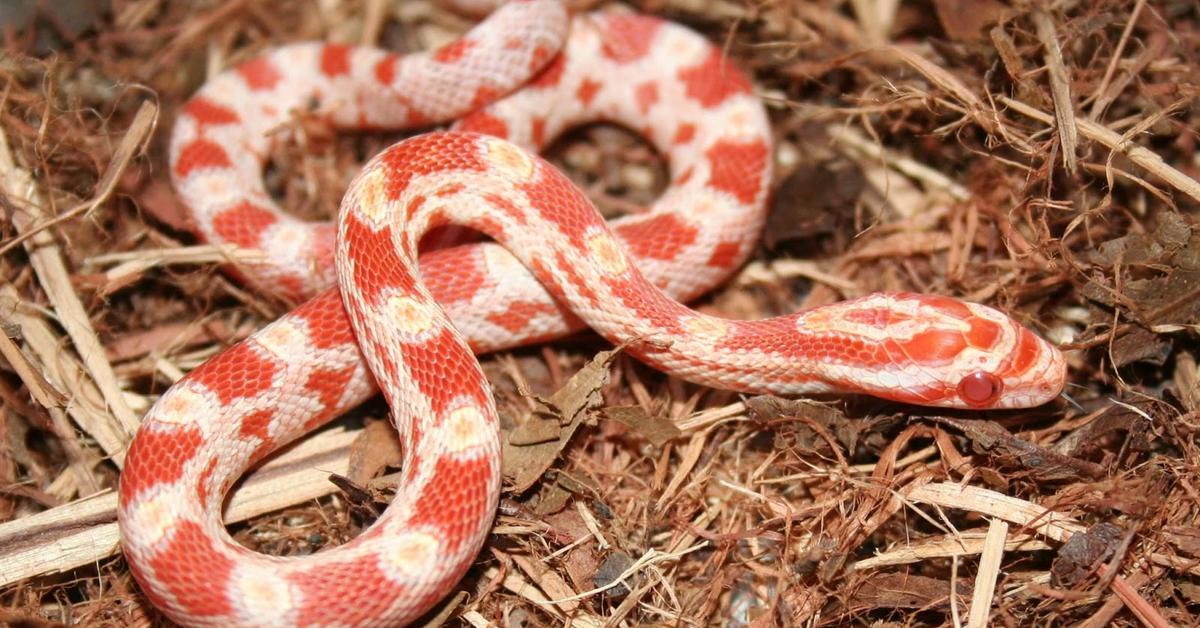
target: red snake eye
980 388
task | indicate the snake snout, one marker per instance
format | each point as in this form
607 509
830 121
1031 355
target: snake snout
1035 373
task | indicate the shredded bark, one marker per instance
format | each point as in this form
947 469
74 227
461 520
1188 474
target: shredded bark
1040 157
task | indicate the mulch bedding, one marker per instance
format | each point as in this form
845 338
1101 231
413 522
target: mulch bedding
1041 160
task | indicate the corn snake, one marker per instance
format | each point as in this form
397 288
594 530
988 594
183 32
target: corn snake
306 367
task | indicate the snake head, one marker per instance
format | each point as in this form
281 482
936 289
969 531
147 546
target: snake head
938 351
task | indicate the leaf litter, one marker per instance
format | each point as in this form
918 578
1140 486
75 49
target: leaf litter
1041 159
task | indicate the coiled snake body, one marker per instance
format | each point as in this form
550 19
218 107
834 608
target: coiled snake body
554 266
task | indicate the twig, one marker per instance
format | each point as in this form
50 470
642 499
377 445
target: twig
1143 157
1060 90
85 531
985 578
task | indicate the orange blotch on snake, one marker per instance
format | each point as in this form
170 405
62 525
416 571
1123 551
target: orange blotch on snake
516 315
415 204
952 308
203 480
713 80
370 275
628 38
684 133
983 333
244 223
1026 353
424 155
659 313
736 167
455 275
237 372
658 237
192 569
537 130
330 385
157 456
291 287
484 95
439 505
539 57
684 176
319 601
385 70
436 359
450 189
325 319
549 77
646 95
335 60
198 155
934 346
503 204
547 277
259 74
485 123
205 111
453 51
257 425
587 91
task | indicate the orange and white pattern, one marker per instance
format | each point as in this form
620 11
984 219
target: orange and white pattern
554 265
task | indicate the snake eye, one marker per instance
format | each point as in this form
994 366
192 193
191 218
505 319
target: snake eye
980 388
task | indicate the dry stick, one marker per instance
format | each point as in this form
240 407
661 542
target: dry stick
1113 605
1143 157
1099 103
1060 90
958 544
80 398
85 531
77 477
940 77
1044 521
45 256
912 168
989 569
40 389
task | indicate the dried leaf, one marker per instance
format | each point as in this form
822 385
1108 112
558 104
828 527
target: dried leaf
810 201
893 590
373 450
1082 554
1186 539
1141 345
990 438
848 432
1116 418
527 454
615 564
657 430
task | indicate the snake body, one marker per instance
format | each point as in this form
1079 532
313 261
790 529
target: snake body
554 265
